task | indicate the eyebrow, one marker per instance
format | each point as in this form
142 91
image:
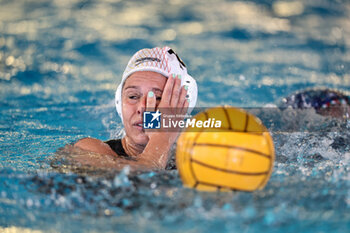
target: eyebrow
157 89
153 89
136 87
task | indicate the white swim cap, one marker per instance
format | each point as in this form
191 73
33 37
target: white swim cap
163 61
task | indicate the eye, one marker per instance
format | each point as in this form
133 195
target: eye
133 96
158 98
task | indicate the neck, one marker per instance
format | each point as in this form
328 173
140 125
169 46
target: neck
131 148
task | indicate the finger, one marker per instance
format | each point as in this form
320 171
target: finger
182 97
185 106
151 102
176 92
168 89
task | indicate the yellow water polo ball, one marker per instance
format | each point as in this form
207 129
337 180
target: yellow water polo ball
236 155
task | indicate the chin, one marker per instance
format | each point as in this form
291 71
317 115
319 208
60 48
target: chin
142 142
141 139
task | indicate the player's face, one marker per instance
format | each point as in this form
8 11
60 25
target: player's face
337 110
134 97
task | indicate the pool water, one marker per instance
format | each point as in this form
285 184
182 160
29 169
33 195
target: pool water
60 63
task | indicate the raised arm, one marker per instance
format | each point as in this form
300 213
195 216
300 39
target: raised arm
156 152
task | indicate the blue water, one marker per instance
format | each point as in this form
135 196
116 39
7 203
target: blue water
60 62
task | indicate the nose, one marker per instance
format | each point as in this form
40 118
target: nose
142 105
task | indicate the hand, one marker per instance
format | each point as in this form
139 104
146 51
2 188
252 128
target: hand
173 103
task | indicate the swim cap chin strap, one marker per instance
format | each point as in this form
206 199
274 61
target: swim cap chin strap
163 61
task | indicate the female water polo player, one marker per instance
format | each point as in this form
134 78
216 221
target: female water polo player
153 79
326 102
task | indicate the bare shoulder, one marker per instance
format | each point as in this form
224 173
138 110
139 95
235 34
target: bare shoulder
94 145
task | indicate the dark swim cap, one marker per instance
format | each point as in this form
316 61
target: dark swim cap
315 98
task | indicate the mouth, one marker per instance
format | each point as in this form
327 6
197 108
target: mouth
138 125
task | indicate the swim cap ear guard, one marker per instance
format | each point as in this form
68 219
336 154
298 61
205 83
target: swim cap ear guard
161 60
